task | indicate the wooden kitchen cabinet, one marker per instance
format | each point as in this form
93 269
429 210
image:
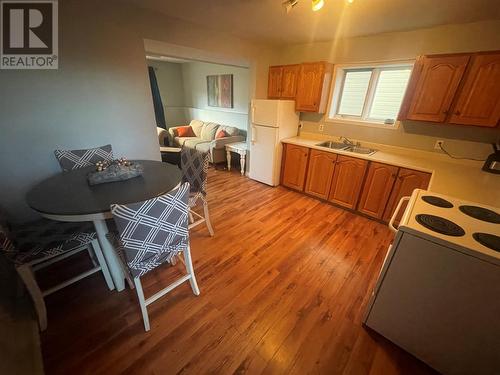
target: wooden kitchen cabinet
274 82
289 81
434 85
347 181
294 167
313 86
282 81
320 173
407 181
377 189
478 100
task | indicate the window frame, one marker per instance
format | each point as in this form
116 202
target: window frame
337 88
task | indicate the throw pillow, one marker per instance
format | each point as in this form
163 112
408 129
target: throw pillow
185 131
221 134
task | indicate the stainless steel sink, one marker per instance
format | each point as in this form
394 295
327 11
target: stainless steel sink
333 145
361 150
347 147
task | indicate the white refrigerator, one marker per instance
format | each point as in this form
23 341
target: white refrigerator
272 121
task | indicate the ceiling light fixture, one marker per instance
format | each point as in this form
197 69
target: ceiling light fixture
289 4
317 5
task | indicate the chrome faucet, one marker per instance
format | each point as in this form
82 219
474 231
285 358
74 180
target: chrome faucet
348 142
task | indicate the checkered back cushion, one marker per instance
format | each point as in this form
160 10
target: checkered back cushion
75 159
194 166
6 244
153 231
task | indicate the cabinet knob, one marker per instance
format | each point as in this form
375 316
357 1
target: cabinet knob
457 113
445 112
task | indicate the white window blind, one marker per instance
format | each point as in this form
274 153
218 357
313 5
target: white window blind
391 86
370 94
354 92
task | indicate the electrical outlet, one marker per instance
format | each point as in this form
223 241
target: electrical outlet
301 124
320 127
438 145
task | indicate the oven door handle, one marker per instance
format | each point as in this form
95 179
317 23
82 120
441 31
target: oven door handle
395 214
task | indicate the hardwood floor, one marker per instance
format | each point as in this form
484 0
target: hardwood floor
284 283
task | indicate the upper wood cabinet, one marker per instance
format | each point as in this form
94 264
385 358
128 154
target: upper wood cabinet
294 167
313 86
407 181
282 81
320 173
459 89
436 84
478 101
289 81
377 189
347 181
274 82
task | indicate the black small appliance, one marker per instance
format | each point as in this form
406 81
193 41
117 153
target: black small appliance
492 164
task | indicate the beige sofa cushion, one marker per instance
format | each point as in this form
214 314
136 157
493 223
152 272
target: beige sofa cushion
230 130
196 143
209 130
197 127
182 140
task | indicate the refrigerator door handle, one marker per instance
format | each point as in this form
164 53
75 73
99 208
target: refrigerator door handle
253 114
254 133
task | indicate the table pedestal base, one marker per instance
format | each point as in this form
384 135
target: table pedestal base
112 259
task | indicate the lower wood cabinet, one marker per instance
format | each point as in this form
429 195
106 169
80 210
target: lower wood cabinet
320 173
407 181
377 189
294 166
374 189
347 181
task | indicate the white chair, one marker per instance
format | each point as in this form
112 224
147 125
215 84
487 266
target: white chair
151 233
34 246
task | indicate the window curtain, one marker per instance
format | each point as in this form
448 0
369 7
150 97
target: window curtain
158 105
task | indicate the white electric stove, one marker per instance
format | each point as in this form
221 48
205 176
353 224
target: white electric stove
438 293
472 226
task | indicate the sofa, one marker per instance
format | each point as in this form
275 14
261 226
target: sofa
206 137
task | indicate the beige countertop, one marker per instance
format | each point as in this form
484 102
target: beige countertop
461 179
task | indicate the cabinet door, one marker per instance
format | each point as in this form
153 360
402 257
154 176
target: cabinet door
309 87
478 101
274 82
289 81
320 173
295 166
407 181
347 181
377 189
436 86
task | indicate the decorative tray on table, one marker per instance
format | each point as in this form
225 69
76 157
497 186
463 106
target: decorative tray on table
112 171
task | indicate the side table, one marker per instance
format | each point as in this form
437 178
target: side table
241 149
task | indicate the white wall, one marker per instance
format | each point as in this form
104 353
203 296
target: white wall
99 95
183 87
194 76
171 85
463 140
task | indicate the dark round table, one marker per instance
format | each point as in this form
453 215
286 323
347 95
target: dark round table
67 196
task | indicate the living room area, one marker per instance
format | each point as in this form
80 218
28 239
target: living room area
199 105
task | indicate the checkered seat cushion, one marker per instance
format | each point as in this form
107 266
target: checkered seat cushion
194 166
43 239
152 232
75 159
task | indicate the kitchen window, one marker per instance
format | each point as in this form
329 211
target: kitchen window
369 95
